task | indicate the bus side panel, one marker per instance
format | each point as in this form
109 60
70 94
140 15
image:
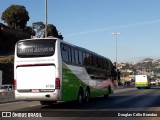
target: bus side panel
73 77
70 84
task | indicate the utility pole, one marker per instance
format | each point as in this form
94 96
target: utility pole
46 18
116 37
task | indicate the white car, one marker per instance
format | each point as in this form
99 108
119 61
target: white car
153 82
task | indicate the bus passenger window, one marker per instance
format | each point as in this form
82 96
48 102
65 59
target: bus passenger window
69 55
89 60
76 57
94 62
80 57
84 58
73 57
64 52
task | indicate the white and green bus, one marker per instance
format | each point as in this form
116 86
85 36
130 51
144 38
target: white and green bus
50 70
142 81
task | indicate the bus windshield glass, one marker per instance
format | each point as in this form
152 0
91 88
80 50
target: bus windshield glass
36 48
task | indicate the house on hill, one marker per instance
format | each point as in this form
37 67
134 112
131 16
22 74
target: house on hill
147 60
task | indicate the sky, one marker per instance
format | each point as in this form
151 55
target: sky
90 24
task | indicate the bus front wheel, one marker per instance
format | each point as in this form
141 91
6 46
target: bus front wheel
80 97
87 95
109 92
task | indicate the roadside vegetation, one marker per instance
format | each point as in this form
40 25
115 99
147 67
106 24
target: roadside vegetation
7 66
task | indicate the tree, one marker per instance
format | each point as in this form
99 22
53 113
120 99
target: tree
38 27
52 31
16 17
30 30
60 36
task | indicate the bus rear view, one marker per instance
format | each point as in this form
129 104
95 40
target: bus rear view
50 70
142 81
35 70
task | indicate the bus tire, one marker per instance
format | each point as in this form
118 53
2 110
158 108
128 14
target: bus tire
87 95
80 96
109 92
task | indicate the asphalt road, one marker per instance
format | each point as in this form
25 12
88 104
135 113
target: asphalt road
125 103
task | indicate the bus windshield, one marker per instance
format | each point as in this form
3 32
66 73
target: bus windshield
36 48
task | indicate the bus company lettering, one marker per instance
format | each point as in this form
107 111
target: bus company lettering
35 50
46 49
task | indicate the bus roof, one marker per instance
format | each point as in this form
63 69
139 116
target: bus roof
54 38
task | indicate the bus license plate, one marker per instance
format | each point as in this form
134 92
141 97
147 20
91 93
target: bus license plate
35 90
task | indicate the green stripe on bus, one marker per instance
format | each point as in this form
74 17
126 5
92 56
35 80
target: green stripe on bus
142 85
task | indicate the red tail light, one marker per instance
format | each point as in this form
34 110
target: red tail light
58 84
15 84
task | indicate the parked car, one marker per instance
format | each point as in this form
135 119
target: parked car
6 88
153 82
